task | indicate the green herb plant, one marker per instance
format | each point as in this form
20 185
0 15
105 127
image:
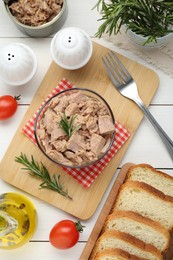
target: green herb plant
68 125
41 172
149 18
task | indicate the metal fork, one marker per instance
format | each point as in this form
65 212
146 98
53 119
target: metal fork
124 83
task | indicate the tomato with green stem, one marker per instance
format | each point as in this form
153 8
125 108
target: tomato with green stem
8 106
65 234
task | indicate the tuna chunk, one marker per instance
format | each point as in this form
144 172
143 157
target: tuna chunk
57 133
60 145
77 97
87 156
59 157
75 143
56 7
97 143
62 104
41 133
80 121
92 125
74 157
71 109
106 125
48 117
47 145
54 102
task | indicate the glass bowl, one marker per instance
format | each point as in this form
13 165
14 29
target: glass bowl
91 136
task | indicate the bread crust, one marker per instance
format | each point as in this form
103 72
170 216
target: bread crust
144 165
117 252
148 188
163 177
127 238
152 192
140 219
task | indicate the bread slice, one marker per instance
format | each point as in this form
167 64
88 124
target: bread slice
143 228
157 179
114 239
115 254
147 201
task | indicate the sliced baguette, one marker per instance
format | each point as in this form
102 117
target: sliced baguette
157 179
115 254
147 201
114 239
143 228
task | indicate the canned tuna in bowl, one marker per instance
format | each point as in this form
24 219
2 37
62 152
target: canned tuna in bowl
75 128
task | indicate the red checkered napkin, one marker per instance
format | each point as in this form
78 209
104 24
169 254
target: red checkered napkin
86 175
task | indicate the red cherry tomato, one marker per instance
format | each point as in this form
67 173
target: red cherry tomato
65 234
8 106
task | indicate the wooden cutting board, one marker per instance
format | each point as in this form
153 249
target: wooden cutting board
106 210
92 76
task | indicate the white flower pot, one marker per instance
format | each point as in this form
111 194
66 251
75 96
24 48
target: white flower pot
140 40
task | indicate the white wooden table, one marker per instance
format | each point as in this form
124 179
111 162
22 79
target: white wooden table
146 146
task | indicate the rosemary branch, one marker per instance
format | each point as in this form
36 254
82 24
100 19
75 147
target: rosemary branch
68 126
151 19
41 172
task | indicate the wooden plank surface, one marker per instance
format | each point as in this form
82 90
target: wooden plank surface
106 210
92 76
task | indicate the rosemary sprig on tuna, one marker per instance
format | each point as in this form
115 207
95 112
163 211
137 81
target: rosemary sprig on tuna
68 125
40 171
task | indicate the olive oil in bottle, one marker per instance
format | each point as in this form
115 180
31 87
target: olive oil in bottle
18 220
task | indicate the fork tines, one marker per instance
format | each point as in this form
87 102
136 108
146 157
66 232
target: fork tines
115 69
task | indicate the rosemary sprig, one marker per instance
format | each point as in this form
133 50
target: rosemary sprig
68 126
41 172
151 19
